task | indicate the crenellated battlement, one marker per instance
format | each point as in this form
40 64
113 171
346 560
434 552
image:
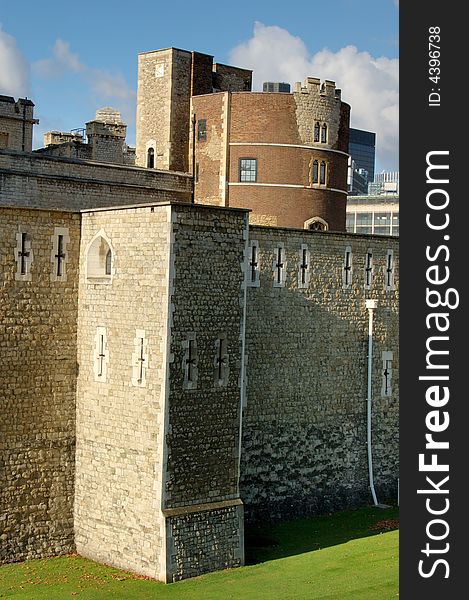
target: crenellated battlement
319 104
16 123
313 85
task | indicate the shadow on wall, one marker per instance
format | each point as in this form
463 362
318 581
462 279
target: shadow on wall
290 538
304 446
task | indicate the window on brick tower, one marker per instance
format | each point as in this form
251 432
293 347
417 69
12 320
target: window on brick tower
316 132
151 158
324 133
322 173
315 174
248 169
202 130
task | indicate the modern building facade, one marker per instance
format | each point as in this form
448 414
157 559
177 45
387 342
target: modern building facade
386 182
362 162
378 214
276 86
362 148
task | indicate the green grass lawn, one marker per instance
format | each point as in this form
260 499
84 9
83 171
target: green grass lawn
345 556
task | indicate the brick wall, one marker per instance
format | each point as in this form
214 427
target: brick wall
276 130
210 153
38 330
293 206
304 423
264 117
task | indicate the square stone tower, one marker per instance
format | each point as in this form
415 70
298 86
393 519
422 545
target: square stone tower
160 347
167 79
106 136
16 123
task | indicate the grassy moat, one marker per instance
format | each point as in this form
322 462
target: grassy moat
351 555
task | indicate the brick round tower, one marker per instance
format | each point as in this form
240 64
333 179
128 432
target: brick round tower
283 155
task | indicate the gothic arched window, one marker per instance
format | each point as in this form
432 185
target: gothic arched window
108 262
99 260
316 224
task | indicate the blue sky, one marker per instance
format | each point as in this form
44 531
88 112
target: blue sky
74 57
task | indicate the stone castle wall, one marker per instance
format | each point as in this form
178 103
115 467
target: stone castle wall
107 141
119 420
207 304
202 438
35 181
320 102
207 539
183 79
304 423
38 317
167 80
162 445
158 459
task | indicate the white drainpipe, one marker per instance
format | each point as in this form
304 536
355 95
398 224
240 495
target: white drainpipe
371 306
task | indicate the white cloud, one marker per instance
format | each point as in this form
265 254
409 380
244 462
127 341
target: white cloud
105 87
14 69
62 61
370 85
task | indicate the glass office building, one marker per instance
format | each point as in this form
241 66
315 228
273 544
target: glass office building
362 146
